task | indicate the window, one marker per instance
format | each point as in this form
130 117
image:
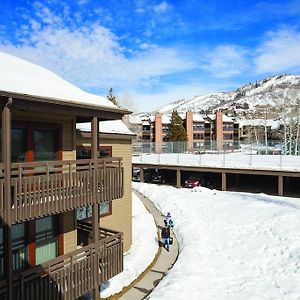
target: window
18 144
86 211
47 239
84 152
19 248
32 142
227 137
198 136
198 126
45 143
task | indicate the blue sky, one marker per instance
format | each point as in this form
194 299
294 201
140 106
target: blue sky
152 52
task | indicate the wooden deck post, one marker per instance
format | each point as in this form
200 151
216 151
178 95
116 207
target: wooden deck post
178 178
280 185
224 185
95 221
6 158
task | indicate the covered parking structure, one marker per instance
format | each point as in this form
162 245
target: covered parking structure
274 182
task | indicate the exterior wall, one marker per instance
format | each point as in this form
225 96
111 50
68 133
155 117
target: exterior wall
219 130
70 232
213 132
158 131
189 129
121 217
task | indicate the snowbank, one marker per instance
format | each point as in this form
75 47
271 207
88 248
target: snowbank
234 246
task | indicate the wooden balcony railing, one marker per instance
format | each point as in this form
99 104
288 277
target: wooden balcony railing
84 232
44 188
71 275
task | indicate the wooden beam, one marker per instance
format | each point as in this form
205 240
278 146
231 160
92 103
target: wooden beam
95 221
280 185
178 178
6 158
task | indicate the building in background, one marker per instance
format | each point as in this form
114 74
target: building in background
203 131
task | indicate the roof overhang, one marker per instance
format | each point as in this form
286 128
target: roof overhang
83 112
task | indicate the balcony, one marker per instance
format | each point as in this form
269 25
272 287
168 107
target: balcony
43 188
71 275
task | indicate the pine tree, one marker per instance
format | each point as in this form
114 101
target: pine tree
177 132
112 98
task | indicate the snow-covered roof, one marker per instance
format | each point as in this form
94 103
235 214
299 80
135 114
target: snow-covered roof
274 124
226 119
198 118
135 119
146 123
114 126
152 118
211 116
23 77
182 116
165 119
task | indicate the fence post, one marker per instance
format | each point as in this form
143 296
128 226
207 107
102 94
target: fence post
250 155
280 160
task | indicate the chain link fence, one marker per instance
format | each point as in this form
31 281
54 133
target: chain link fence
272 155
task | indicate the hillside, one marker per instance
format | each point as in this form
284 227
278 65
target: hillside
272 91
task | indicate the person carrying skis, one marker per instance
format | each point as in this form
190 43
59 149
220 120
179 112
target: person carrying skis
168 220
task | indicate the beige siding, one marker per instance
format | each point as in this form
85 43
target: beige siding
70 234
121 218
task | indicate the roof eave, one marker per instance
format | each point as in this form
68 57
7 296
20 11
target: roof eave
63 102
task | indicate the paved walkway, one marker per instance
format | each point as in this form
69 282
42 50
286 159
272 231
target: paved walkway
164 263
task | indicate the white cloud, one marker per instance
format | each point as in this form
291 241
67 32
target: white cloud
225 61
161 7
91 56
280 52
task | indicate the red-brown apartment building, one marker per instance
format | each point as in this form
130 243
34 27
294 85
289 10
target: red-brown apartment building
216 131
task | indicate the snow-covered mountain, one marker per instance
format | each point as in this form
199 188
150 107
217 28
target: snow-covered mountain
272 91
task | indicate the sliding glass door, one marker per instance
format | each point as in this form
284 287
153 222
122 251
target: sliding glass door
47 241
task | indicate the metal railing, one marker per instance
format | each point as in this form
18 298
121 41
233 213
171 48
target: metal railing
44 188
71 275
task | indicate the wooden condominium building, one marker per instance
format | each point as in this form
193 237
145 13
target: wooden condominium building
45 252
203 131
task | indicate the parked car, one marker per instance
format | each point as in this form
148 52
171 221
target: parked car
193 181
158 178
136 175
149 174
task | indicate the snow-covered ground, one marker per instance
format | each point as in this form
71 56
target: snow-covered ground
228 160
232 245
142 252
